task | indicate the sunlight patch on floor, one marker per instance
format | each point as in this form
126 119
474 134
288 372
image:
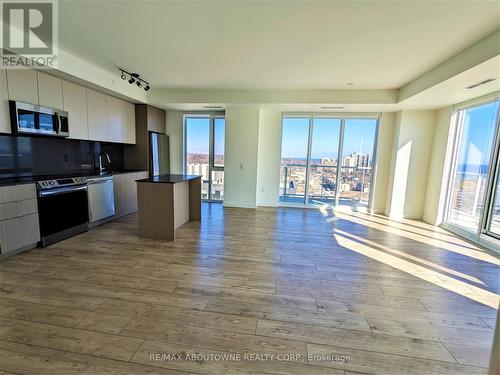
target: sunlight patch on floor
412 257
470 291
476 254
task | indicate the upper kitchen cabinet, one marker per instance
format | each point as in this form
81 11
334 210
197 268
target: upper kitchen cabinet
50 91
96 110
75 103
157 121
128 122
114 119
4 103
147 119
23 85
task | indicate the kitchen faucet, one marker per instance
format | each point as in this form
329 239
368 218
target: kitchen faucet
101 168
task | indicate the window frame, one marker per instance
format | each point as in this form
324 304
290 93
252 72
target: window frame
482 236
211 116
342 116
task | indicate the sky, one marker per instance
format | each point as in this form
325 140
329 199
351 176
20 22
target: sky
359 136
477 136
198 132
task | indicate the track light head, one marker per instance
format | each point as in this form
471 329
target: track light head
124 77
133 77
146 88
139 84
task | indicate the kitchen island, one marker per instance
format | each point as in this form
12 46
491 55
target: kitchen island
166 202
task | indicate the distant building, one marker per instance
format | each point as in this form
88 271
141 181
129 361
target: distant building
198 169
328 161
349 161
362 160
356 160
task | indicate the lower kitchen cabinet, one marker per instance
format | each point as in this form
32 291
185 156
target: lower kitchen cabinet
19 233
125 189
19 226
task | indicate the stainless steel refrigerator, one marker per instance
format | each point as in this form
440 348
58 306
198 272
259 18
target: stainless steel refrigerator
159 154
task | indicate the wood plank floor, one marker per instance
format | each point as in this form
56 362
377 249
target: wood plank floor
289 291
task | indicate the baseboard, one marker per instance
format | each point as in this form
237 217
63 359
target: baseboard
267 204
102 221
18 251
239 205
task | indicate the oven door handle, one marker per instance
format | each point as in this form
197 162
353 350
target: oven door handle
63 190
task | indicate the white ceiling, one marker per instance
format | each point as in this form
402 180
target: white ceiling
274 45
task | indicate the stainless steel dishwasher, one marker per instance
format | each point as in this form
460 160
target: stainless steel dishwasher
101 199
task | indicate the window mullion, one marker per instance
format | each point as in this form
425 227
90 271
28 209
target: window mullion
308 162
339 161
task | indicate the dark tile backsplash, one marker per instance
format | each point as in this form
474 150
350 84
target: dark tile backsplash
34 156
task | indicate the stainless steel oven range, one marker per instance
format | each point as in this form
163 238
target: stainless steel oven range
62 208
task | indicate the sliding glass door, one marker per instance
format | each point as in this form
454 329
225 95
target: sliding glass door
473 204
327 159
204 136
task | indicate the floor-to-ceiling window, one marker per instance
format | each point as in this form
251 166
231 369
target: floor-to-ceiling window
357 160
473 205
204 136
294 151
327 158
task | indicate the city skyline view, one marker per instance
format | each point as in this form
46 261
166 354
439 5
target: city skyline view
317 183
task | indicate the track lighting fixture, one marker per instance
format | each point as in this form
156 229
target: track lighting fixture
134 78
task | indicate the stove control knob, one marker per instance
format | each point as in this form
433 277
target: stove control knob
51 182
44 183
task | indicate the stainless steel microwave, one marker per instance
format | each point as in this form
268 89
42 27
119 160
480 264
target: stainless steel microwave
37 120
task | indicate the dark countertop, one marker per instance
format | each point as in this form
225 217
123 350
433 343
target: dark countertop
170 178
18 180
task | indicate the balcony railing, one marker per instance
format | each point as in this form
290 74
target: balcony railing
327 175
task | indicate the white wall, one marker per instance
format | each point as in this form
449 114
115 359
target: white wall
81 71
411 152
383 162
240 164
433 206
269 157
175 131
